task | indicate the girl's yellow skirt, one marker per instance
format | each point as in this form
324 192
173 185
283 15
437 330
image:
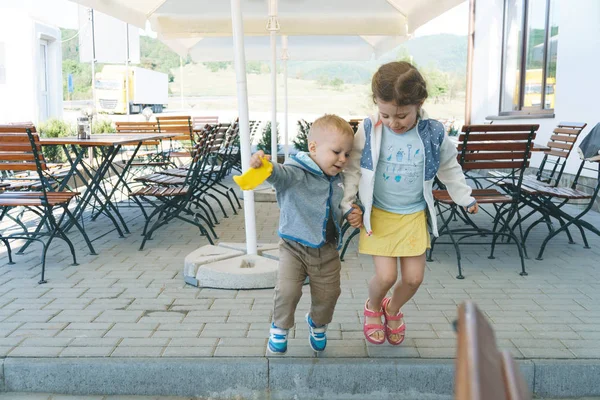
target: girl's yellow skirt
395 235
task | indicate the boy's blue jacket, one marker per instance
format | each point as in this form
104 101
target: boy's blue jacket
305 195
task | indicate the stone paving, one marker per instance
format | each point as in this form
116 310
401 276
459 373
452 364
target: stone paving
47 396
129 303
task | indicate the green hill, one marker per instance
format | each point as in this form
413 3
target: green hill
436 54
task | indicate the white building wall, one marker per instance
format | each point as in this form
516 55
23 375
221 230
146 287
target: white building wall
20 96
577 72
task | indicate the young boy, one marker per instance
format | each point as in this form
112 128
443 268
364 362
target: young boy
309 191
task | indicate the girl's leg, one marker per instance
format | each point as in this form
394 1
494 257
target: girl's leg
386 273
412 270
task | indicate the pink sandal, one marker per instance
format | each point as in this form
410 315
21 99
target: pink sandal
389 331
370 329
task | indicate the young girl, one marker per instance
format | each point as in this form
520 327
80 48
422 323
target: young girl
397 154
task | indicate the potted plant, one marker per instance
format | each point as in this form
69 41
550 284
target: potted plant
265 141
301 140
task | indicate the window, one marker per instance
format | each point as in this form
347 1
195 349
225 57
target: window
2 64
43 82
530 43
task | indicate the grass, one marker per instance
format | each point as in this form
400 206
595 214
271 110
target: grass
217 91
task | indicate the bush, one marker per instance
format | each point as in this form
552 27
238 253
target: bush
54 128
216 66
265 140
337 83
301 140
103 126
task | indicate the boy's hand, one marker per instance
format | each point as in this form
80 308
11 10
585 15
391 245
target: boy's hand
255 160
355 218
473 209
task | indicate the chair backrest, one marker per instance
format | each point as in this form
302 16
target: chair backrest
179 125
201 121
20 149
496 147
354 123
138 127
483 372
561 143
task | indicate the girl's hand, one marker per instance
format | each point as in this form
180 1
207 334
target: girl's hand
355 218
255 160
473 209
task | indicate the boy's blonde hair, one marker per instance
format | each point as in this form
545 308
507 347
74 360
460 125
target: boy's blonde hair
330 122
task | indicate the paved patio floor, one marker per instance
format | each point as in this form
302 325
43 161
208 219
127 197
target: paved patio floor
129 303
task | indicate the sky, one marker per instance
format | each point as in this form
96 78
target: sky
64 14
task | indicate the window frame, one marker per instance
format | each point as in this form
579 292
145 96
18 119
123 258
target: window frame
525 111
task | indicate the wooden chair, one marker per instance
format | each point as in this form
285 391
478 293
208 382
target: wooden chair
482 148
550 201
173 197
554 162
152 155
549 174
482 371
561 144
354 123
183 128
20 150
200 122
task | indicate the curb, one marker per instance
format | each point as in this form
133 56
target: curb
278 378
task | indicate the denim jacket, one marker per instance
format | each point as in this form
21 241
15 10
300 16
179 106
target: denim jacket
305 196
440 159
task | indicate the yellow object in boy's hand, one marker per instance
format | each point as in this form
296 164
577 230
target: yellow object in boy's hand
253 177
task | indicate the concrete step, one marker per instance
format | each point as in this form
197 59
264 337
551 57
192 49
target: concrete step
278 377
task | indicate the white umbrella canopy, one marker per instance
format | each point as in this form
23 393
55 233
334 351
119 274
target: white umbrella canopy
202 18
301 48
193 18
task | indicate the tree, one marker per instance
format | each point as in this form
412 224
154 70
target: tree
438 83
404 55
301 140
265 140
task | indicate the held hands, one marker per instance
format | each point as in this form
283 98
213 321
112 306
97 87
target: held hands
355 218
473 209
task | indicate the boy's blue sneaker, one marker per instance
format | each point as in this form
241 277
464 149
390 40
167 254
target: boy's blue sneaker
317 335
278 339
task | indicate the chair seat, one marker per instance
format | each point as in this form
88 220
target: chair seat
161 191
483 196
31 199
162 179
180 154
146 164
565 193
26 184
180 172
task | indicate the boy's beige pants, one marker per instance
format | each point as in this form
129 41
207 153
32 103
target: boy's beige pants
296 262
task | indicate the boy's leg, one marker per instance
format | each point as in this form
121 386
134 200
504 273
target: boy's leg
324 272
290 278
413 271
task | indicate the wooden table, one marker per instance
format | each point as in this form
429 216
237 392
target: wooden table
109 146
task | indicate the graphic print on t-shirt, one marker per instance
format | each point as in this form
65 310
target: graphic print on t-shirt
398 167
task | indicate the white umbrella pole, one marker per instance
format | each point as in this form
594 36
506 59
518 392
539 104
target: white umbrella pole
181 80
127 73
242 97
273 27
284 58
